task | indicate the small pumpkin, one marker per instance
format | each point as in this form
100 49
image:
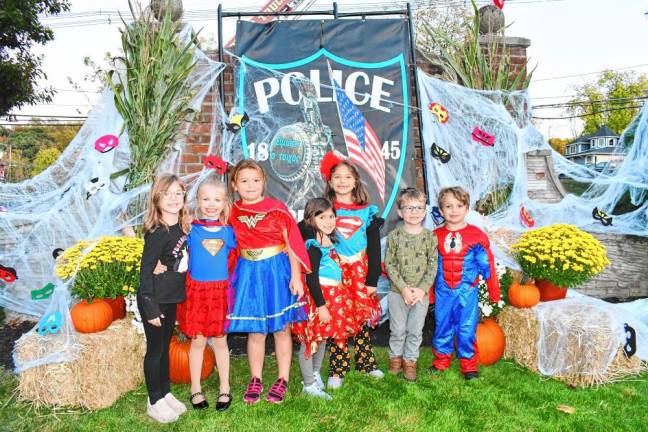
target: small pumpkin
179 361
118 306
523 295
550 291
490 342
91 317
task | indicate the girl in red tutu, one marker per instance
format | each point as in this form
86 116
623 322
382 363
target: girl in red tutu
327 303
210 242
358 245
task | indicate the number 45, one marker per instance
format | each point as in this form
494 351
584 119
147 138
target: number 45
391 150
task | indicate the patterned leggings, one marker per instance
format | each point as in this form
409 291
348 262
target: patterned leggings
340 358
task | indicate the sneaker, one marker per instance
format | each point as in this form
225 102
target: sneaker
253 391
160 411
316 391
376 374
409 370
175 404
318 380
395 365
277 392
471 375
334 382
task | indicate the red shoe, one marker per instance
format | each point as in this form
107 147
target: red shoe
253 391
277 392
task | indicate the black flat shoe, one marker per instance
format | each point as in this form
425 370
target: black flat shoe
471 375
222 406
200 405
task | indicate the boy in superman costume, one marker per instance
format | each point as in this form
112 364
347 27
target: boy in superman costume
464 255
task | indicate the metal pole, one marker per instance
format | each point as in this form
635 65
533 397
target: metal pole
418 95
221 78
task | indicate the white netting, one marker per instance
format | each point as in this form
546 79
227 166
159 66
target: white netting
62 205
482 169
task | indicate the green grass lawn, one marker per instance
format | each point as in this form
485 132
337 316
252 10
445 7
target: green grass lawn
507 397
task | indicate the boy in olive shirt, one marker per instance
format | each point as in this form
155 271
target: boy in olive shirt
411 263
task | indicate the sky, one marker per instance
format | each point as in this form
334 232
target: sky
571 40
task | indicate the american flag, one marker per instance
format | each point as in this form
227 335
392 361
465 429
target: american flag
363 147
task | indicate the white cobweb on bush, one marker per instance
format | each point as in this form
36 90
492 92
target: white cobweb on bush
62 205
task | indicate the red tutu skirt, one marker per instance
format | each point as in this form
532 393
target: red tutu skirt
365 308
203 312
312 332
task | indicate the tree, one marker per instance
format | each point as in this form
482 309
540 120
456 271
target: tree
613 99
44 158
559 144
19 68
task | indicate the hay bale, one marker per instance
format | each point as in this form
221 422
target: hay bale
522 330
109 365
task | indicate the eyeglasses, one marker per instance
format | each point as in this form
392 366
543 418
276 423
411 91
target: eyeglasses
413 209
177 194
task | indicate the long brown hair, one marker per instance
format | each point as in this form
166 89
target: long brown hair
359 194
246 164
212 180
314 208
153 218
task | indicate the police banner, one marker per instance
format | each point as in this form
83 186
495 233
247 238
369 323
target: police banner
307 87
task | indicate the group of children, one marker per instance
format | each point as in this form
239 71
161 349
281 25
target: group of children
248 261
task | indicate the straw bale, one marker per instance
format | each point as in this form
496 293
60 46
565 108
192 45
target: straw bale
109 365
522 331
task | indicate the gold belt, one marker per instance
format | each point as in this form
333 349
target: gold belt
263 253
353 258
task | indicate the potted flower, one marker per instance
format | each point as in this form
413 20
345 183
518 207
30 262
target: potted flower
558 257
105 269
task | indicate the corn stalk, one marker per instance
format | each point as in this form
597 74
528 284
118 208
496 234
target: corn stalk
152 94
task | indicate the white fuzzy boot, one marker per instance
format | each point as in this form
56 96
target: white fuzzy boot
161 411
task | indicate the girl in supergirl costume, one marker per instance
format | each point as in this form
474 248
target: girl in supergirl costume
267 281
211 247
327 302
358 245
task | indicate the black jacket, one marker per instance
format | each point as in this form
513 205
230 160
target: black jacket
168 287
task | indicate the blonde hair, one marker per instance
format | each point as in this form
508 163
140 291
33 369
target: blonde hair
458 192
245 164
212 180
410 194
153 218
359 194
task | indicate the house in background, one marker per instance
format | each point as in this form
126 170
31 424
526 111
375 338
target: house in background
598 151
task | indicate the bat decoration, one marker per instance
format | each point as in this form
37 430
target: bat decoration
602 217
106 143
237 122
215 163
437 217
526 218
483 137
439 153
440 112
43 293
8 274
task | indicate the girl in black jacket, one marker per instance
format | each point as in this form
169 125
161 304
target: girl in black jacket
165 228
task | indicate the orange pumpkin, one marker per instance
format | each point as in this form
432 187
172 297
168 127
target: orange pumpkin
118 306
490 342
523 296
549 291
179 361
91 317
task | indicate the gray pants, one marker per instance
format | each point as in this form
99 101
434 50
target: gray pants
406 326
309 367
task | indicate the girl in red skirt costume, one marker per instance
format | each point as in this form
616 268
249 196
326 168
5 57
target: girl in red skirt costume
327 302
211 245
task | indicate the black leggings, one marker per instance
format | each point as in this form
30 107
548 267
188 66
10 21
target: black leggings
340 358
156 360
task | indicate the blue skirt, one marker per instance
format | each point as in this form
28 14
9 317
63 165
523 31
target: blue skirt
261 297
